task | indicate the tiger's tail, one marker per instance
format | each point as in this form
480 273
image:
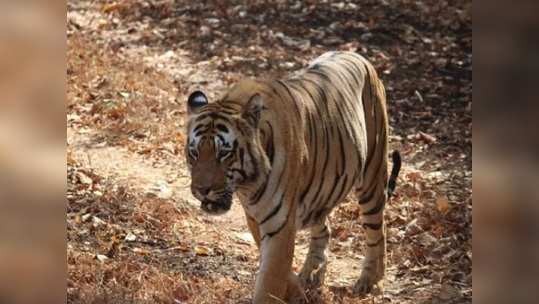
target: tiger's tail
396 158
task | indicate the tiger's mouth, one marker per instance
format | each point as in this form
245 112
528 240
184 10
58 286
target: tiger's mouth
219 206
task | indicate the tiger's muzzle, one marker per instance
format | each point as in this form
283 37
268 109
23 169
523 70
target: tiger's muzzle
216 207
213 203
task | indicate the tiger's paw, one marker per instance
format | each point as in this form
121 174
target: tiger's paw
369 281
366 285
294 290
313 277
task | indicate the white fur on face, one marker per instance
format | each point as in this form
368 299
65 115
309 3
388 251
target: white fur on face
222 140
226 141
194 140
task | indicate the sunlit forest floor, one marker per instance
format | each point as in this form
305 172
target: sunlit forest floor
136 235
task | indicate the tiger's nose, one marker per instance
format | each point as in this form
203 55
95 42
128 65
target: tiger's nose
203 190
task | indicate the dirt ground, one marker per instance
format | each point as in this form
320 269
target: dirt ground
135 233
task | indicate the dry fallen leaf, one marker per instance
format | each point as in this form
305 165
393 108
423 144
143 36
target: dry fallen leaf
245 238
84 179
448 292
413 176
113 7
426 137
181 293
442 204
130 237
201 250
102 258
141 251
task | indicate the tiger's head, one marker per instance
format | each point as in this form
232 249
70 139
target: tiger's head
223 149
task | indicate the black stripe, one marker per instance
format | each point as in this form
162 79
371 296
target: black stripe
339 107
313 117
319 213
271 149
382 159
323 235
333 188
229 108
320 74
379 206
212 115
273 212
222 128
314 133
343 155
242 155
198 127
271 234
256 170
315 66
308 218
228 111
372 226
370 193
377 171
328 200
376 243
312 130
296 107
314 100
324 168
321 93
201 131
256 197
355 176
281 179
351 72
394 173
373 103
241 172
315 200
202 117
343 188
313 171
226 156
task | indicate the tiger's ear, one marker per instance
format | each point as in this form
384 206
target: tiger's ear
253 109
196 100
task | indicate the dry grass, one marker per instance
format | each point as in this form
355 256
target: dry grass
127 102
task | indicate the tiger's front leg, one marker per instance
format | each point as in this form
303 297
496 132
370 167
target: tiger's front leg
294 290
275 280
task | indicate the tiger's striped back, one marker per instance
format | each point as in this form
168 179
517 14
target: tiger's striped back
345 130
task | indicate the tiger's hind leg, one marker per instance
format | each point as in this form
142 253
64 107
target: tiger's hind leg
314 269
372 212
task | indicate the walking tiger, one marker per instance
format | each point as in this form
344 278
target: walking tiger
292 150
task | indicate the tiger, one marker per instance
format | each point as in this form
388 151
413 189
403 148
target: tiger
291 150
